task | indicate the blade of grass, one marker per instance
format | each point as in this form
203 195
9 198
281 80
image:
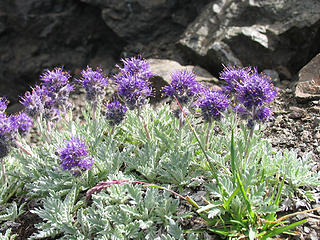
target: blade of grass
283 229
227 203
251 214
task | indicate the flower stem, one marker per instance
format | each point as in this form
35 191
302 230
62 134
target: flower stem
212 170
23 148
246 153
208 135
144 124
94 112
3 171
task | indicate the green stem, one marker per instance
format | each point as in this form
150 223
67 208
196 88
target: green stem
145 126
23 148
208 135
202 148
94 112
246 153
3 171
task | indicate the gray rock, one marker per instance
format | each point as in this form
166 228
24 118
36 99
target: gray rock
143 20
296 112
273 75
40 34
308 86
263 33
163 68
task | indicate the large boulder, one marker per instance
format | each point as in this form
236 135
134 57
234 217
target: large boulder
308 85
40 34
164 68
265 33
146 20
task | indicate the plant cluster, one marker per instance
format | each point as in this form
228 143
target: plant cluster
120 170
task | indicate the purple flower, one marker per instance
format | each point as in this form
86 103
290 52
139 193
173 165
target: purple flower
4 147
7 135
255 90
262 114
251 91
74 157
9 128
55 80
3 104
183 86
34 102
60 99
21 122
116 112
132 82
241 111
57 91
95 83
233 76
50 98
212 104
135 66
5 126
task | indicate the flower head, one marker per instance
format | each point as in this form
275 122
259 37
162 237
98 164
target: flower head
5 125
255 90
21 122
4 147
51 97
183 86
60 99
34 101
212 104
234 76
116 112
74 157
57 89
262 114
241 111
135 66
54 80
134 91
132 82
37 102
94 83
3 104
251 91
7 135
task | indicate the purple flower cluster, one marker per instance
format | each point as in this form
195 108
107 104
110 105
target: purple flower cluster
132 82
135 66
251 91
3 104
94 83
116 112
255 90
74 157
10 126
183 86
55 80
233 76
51 97
212 104
34 102
21 122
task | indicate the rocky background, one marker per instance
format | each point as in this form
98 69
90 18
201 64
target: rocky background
279 36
